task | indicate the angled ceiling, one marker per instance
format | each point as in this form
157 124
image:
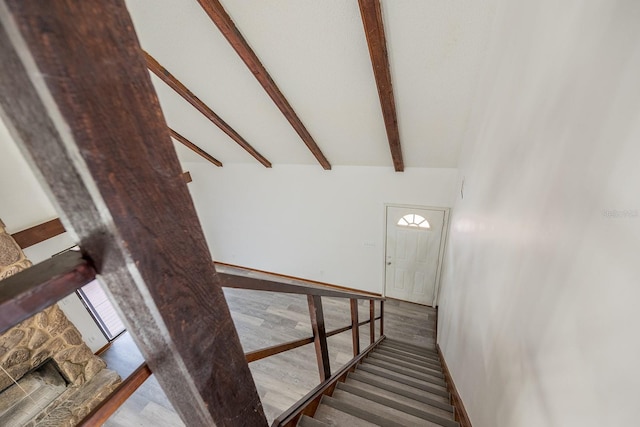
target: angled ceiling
316 53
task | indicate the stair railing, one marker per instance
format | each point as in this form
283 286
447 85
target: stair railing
32 290
240 278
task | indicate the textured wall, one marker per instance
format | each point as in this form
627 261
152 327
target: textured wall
539 309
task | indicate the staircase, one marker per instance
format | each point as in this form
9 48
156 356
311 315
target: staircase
397 384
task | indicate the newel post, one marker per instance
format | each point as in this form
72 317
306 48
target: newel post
77 98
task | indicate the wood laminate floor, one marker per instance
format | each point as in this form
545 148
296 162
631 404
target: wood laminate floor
264 319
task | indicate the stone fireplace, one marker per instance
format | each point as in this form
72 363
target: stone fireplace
48 375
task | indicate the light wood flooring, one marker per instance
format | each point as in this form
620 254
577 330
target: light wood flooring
264 319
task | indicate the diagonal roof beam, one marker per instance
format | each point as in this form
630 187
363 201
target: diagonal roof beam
374 30
184 92
223 21
193 147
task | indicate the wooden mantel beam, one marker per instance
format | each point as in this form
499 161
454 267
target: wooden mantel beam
374 31
225 24
193 147
175 84
76 96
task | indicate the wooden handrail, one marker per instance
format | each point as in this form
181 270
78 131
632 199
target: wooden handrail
38 233
252 356
309 403
255 355
30 291
101 413
243 281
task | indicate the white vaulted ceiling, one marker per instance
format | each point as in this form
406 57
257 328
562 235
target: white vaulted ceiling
316 52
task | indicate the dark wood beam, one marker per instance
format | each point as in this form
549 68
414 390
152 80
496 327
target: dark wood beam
77 97
252 356
38 233
374 31
193 147
184 92
32 290
41 232
223 21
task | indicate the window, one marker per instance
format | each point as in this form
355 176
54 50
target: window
413 220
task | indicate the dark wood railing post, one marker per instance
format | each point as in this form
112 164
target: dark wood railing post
372 321
76 95
355 329
381 318
319 335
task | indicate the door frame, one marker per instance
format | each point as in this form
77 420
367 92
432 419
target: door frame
441 249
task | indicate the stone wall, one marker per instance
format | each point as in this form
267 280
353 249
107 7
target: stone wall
12 259
50 335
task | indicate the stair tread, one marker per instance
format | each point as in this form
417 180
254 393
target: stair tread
336 418
402 389
406 356
399 402
427 367
379 413
410 381
421 355
435 379
415 347
306 421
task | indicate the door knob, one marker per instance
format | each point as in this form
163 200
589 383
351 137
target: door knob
389 263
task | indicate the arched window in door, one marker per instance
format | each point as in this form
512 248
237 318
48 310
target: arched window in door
413 220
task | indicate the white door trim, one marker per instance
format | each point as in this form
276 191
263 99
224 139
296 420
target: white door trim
443 242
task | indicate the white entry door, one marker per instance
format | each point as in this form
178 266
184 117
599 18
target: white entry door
413 253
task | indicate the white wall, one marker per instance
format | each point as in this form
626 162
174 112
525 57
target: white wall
24 204
539 307
307 222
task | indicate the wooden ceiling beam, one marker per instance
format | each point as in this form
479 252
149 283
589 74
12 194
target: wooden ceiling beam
374 31
193 147
223 21
175 84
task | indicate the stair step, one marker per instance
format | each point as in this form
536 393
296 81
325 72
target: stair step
400 403
402 390
408 353
426 368
370 376
335 417
405 356
412 382
306 421
435 378
411 347
378 413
